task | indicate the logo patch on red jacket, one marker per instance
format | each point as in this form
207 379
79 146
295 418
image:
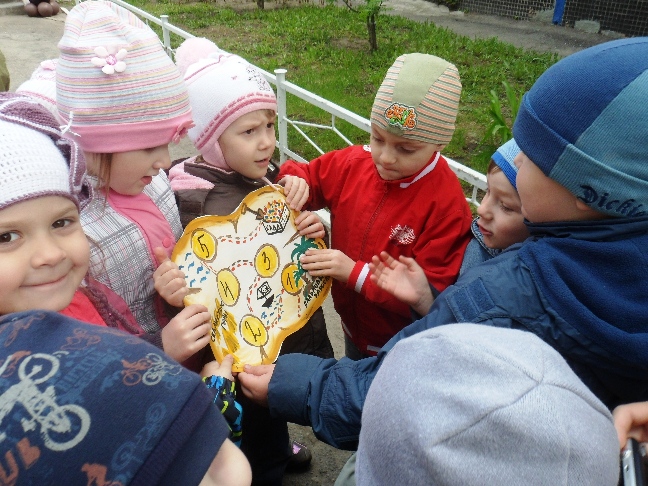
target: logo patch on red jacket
402 235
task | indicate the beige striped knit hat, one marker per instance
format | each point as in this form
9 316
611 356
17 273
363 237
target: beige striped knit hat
115 85
419 99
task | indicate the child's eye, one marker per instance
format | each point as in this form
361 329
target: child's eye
271 125
506 209
407 150
61 223
250 131
377 139
8 237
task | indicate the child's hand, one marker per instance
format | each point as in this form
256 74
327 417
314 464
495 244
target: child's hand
296 191
254 382
309 225
631 420
327 263
404 279
168 279
224 369
187 333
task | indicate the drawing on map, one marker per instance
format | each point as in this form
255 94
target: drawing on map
245 268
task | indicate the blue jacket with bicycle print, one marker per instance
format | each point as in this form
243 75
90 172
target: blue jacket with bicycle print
86 404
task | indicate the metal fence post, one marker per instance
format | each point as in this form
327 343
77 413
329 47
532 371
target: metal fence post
166 37
282 114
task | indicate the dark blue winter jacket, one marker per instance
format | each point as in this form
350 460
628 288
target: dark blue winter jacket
580 286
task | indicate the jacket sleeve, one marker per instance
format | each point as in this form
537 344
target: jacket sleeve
329 395
324 393
322 175
225 400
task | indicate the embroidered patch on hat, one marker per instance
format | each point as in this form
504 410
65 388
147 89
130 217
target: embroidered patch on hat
401 116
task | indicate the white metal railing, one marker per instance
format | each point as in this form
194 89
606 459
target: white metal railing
475 179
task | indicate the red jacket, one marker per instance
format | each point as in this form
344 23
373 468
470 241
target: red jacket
424 216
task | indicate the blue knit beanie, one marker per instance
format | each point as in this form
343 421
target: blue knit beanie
82 404
504 157
584 124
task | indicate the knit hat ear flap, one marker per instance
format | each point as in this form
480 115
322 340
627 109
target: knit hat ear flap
222 88
116 86
35 158
419 99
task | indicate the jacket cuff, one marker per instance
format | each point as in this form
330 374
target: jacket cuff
154 339
358 277
289 388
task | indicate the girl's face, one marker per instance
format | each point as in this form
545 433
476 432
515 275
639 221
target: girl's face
44 254
131 172
500 213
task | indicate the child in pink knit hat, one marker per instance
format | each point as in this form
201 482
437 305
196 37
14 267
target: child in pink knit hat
234 110
123 100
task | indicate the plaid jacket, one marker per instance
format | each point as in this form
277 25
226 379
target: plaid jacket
119 255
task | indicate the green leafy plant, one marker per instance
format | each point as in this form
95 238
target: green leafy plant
500 129
370 11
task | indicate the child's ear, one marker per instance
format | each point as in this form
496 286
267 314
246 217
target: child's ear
589 212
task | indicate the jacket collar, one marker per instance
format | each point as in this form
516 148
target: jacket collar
611 229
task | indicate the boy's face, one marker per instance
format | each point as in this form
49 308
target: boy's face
543 199
44 254
500 217
397 157
248 143
131 172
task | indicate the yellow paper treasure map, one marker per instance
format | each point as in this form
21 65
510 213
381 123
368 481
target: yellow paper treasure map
245 269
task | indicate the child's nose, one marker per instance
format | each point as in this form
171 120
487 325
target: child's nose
484 209
48 253
387 156
268 139
163 159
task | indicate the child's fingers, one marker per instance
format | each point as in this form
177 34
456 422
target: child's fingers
289 187
160 255
228 361
194 313
388 260
299 199
313 233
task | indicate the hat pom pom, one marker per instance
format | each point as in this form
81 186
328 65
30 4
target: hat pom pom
192 50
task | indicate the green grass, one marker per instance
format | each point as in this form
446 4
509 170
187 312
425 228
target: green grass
326 51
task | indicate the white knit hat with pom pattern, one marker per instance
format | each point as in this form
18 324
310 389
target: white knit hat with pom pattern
222 88
35 159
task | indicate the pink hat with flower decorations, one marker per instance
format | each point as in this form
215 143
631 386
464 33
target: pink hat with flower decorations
117 89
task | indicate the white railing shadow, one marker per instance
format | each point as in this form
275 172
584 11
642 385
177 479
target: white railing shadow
475 179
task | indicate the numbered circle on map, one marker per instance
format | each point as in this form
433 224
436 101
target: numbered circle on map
253 331
203 244
266 261
289 277
229 288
